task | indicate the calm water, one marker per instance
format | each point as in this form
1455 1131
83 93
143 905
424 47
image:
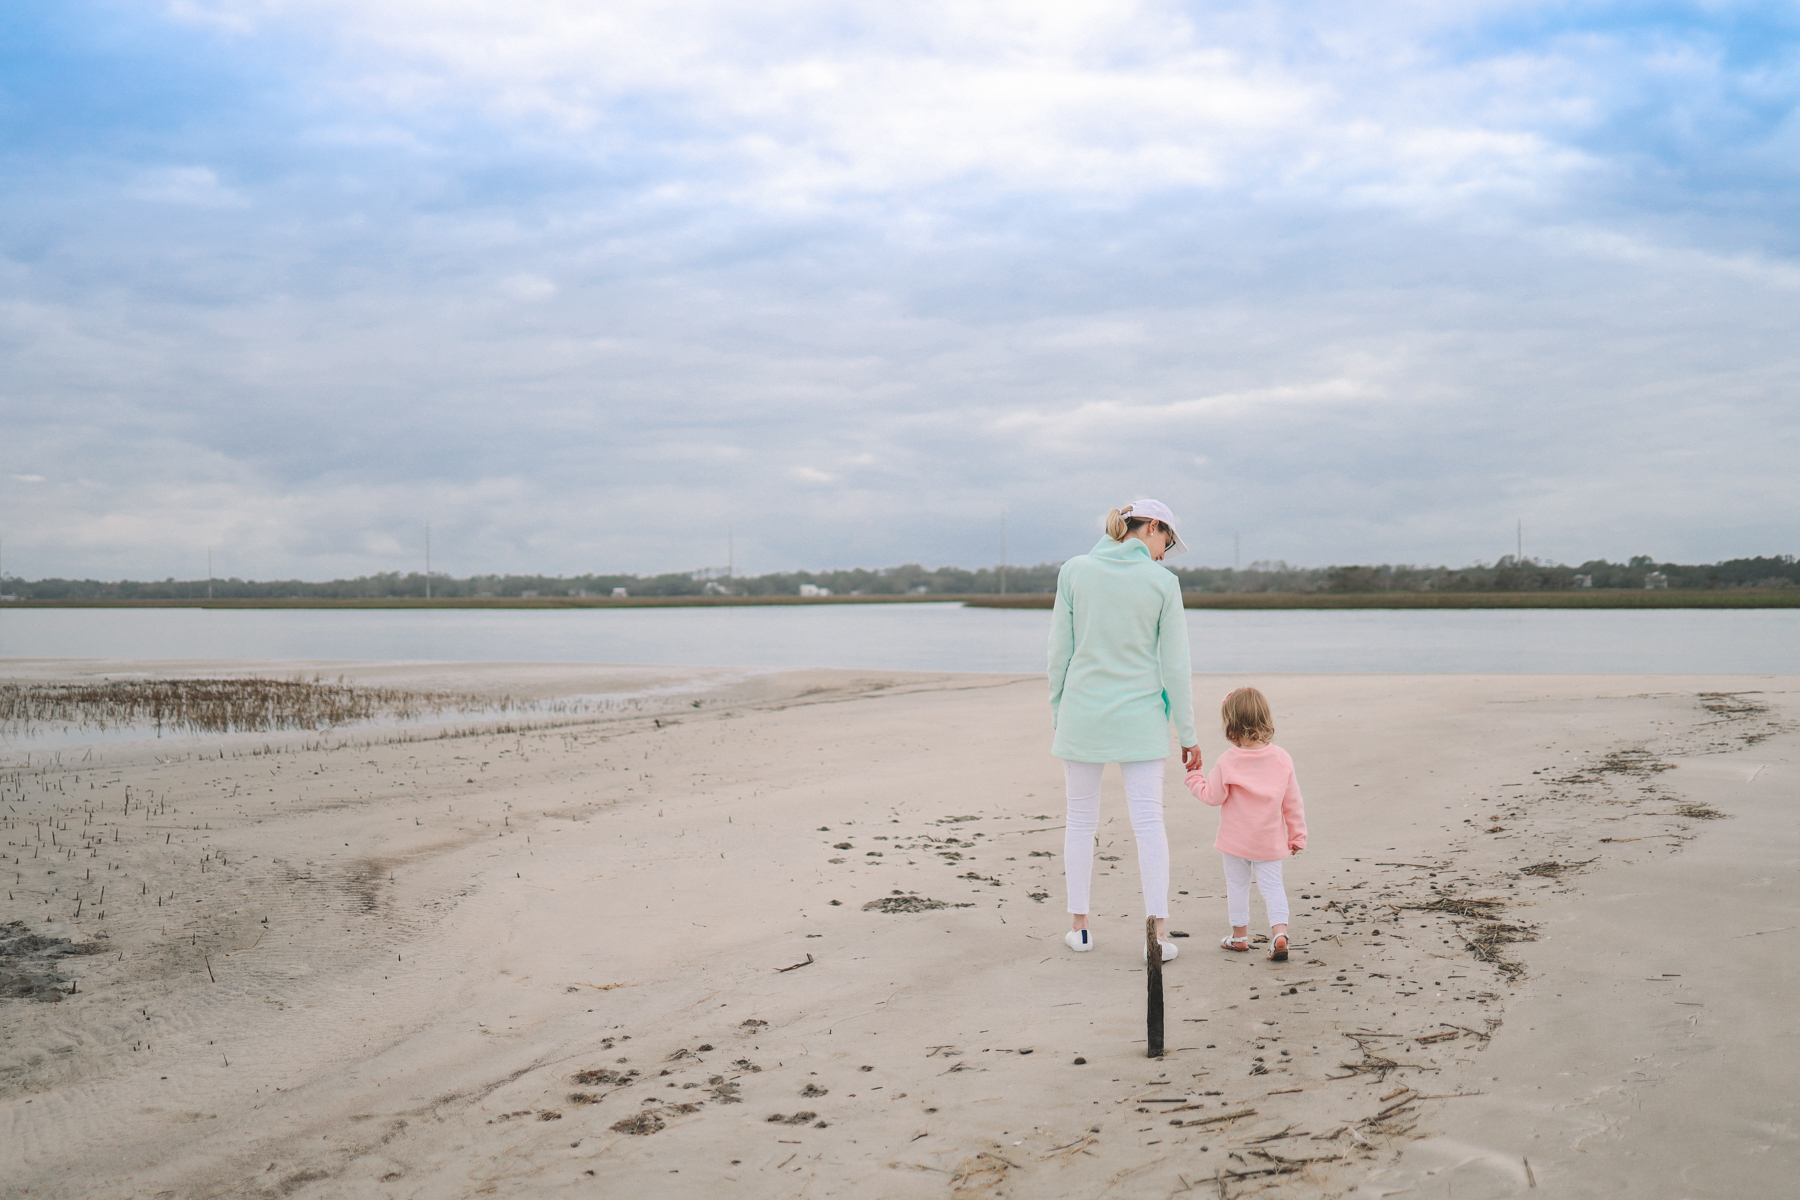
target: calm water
928 637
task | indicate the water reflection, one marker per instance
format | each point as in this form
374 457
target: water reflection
927 637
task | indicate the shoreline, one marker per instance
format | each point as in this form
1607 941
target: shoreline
1595 599
642 944
1598 598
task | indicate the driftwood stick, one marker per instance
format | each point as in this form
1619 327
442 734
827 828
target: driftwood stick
1153 982
1230 1116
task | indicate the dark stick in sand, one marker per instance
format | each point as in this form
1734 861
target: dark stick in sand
1153 975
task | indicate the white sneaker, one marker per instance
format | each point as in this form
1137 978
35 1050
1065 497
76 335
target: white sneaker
1079 940
1169 952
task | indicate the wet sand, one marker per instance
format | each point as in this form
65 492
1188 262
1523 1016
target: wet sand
1543 943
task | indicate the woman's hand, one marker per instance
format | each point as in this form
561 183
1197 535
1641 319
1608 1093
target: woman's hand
1190 758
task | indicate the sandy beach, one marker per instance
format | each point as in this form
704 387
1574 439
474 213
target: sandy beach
780 934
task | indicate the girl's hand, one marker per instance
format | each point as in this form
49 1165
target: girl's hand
1295 849
1190 758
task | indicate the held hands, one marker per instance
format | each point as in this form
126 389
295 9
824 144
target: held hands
1190 758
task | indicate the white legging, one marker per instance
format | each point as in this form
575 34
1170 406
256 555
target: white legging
1144 795
1238 872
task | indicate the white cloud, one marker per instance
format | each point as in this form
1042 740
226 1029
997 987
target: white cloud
1345 275
811 101
1749 267
1127 421
195 187
527 287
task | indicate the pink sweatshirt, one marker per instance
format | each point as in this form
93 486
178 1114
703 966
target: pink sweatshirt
1260 812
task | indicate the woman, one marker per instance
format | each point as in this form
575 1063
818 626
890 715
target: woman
1118 677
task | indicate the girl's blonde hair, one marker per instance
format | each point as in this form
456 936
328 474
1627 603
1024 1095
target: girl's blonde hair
1247 716
1119 526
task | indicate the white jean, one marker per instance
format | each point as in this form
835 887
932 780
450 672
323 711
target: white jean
1144 797
1238 873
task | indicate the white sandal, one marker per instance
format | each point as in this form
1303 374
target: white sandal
1229 942
1079 940
1169 952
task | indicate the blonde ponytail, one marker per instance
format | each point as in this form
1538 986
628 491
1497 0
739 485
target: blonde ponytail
1121 525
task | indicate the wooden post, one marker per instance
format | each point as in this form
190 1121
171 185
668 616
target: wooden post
1153 977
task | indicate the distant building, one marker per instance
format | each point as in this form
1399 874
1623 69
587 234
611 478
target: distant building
1586 581
813 589
620 593
715 588
528 595
1656 579
578 592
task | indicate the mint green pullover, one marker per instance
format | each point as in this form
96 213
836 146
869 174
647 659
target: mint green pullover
1118 657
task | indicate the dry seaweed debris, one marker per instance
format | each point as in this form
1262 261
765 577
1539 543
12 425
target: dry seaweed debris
1732 704
1634 761
1735 706
1375 1064
799 1118
29 963
908 903
1490 940
1487 940
1461 906
1388 1119
639 1125
1554 870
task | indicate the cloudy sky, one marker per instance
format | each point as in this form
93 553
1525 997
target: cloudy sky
583 283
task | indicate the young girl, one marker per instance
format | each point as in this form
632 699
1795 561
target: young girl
1261 818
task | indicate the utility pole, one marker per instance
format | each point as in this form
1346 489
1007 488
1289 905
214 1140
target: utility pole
1237 547
209 572
730 555
1519 557
428 560
1003 551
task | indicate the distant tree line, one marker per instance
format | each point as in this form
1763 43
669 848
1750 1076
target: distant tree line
888 581
1528 575
1506 575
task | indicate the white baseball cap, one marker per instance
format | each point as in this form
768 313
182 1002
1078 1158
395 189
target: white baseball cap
1156 510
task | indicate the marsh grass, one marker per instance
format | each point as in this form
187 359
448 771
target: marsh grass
224 705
